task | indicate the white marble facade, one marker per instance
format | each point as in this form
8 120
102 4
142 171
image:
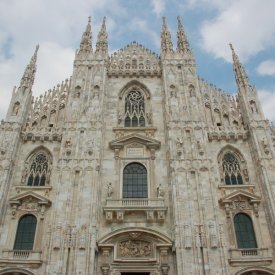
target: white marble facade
206 159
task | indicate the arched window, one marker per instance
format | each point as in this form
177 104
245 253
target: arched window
38 170
25 233
231 169
134 109
244 231
135 181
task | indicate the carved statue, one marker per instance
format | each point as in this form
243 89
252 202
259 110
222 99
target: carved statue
265 146
160 191
135 248
16 107
109 190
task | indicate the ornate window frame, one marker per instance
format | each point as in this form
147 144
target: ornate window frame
247 203
241 163
139 180
18 239
142 110
143 162
31 162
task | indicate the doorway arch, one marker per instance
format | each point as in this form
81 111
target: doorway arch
256 271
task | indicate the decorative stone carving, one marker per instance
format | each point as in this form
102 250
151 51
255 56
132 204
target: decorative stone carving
134 60
109 190
200 235
240 201
213 234
29 202
180 146
187 236
82 237
120 215
57 236
265 146
150 215
135 248
160 191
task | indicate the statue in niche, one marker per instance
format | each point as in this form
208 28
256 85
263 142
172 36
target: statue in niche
253 106
191 91
109 190
15 109
160 191
265 145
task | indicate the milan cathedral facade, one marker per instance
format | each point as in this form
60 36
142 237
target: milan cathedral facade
136 166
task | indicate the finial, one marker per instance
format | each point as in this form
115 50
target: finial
240 73
182 43
86 41
166 41
102 38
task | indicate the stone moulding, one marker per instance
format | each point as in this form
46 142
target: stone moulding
115 210
239 201
29 202
27 258
254 257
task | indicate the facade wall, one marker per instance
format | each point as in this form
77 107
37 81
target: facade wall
186 224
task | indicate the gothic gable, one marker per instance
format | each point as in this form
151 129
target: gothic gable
134 60
240 201
119 143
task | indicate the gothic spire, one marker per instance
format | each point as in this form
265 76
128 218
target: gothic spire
86 40
240 73
29 74
182 43
166 41
102 38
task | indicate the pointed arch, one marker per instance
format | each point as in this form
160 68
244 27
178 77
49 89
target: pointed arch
38 167
134 84
134 108
232 166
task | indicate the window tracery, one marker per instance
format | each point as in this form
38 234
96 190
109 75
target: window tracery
38 169
134 109
231 169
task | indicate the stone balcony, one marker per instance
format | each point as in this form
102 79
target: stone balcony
25 257
153 209
251 256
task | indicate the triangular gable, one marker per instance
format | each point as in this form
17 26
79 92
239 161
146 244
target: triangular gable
134 138
237 194
17 200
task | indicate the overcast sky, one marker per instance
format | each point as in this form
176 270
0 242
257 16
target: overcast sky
57 25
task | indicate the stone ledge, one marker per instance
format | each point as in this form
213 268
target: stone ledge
251 256
116 209
22 257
